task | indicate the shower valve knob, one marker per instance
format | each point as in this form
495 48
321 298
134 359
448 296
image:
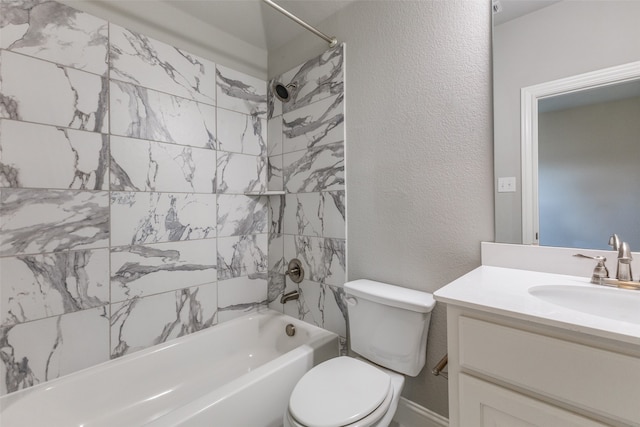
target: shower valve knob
295 270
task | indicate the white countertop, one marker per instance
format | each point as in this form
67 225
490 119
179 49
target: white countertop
505 291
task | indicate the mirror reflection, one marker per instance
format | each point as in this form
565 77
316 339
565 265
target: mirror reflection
589 142
588 167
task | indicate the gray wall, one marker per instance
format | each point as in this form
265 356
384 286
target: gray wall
588 174
568 38
418 147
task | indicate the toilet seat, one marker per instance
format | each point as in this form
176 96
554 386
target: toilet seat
371 420
341 392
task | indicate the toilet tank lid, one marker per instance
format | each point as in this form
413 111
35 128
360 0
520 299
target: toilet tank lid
392 295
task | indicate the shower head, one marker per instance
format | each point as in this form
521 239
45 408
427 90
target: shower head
282 92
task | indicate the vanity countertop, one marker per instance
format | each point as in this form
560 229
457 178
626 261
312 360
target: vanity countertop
505 291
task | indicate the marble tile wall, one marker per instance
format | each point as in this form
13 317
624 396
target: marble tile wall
306 160
123 167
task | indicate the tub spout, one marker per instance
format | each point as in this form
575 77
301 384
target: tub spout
289 296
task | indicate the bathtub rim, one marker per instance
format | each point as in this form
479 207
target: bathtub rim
12 398
196 407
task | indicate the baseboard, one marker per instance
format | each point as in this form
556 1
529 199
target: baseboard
410 414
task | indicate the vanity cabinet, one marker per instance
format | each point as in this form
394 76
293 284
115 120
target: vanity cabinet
510 372
485 404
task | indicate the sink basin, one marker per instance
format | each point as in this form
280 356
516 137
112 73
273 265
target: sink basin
615 304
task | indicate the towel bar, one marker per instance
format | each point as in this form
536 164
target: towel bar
437 370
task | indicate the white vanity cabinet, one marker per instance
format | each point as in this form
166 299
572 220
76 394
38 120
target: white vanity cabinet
509 374
524 369
485 404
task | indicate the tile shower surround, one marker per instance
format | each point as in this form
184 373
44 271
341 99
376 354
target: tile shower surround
306 159
123 163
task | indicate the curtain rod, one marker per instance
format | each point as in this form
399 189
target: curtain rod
331 40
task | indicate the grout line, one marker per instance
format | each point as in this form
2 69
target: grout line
114 302
80 190
109 314
310 149
98 307
155 141
57 65
136 84
107 73
328 95
92 132
111 247
99 248
137 139
216 316
155 294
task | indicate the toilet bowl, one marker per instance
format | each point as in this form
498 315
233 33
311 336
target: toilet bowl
388 329
345 392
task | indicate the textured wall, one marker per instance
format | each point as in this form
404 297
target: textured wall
306 158
123 220
564 39
418 150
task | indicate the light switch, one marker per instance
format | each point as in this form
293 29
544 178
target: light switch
507 184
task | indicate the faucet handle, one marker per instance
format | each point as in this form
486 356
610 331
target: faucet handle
600 272
597 257
295 271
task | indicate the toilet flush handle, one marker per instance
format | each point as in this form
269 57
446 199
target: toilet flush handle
351 300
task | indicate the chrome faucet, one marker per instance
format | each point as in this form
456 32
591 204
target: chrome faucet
614 242
289 296
624 263
623 272
624 277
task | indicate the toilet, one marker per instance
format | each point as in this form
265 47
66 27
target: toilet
388 327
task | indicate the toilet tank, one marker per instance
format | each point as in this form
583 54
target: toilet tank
389 324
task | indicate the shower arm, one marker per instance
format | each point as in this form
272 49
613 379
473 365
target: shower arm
331 40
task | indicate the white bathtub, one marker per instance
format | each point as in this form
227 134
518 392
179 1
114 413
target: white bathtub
239 373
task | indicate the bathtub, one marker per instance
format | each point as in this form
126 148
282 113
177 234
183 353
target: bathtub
239 373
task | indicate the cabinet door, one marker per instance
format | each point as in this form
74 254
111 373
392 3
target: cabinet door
600 381
483 404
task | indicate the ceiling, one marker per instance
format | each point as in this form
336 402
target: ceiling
512 9
267 29
257 23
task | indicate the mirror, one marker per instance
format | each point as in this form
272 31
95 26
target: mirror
580 142
562 54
